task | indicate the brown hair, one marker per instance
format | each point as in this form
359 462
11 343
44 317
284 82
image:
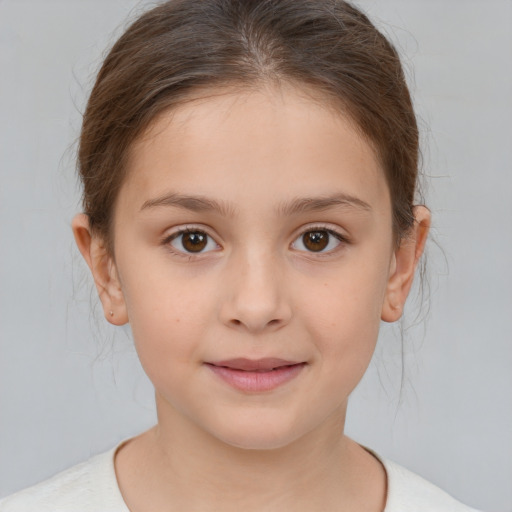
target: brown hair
183 46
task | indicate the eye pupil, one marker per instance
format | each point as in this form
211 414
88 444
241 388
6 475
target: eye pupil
194 241
316 240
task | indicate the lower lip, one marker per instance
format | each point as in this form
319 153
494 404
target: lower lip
257 381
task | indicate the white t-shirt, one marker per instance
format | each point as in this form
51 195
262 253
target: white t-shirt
92 487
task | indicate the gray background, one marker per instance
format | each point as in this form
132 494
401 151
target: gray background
71 386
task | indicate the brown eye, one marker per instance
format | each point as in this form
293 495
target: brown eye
193 242
318 240
315 240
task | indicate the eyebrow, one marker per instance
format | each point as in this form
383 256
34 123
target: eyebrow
317 204
192 203
293 207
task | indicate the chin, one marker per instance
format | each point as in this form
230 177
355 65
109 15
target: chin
258 435
260 443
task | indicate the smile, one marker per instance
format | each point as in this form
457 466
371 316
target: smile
256 375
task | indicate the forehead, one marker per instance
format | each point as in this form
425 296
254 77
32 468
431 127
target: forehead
275 141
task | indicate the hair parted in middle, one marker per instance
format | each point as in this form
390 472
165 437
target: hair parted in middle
185 49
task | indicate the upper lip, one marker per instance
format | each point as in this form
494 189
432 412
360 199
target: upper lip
242 363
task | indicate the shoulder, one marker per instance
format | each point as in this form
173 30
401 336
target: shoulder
90 486
408 491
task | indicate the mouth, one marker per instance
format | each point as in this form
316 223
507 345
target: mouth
256 375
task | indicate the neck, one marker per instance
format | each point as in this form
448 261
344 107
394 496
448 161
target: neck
224 468
193 470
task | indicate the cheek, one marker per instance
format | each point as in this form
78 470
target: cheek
168 319
348 297
343 317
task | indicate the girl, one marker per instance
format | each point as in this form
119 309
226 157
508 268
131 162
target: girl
249 172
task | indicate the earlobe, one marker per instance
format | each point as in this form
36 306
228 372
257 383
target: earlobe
403 265
103 269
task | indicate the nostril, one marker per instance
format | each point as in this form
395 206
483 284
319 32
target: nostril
237 323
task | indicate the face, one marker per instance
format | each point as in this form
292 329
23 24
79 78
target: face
254 253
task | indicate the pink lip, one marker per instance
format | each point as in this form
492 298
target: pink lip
256 375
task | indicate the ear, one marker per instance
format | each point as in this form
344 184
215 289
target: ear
103 269
403 265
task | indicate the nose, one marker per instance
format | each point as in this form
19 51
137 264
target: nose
254 295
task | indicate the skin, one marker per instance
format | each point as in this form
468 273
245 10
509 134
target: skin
256 291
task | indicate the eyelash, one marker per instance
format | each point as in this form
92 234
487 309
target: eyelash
167 241
342 239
